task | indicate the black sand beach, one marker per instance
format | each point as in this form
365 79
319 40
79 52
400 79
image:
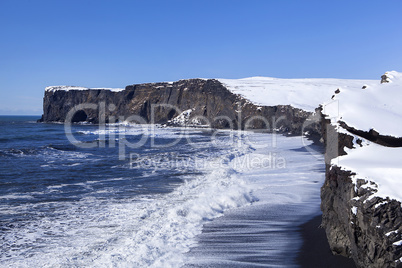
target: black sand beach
315 252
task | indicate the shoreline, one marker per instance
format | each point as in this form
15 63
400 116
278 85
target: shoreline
315 250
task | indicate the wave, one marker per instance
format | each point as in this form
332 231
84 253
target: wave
62 147
148 230
158 230
14 152
149 130
16 196
64 151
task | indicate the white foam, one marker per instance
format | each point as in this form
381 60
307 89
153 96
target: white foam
16 196
127 129
158 230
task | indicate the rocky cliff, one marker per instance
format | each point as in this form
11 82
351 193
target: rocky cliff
195 102
361 206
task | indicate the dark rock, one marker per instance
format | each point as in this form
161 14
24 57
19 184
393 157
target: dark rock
212 104
79 116
374 136
384 79
368 235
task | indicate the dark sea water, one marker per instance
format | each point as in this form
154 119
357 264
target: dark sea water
146 196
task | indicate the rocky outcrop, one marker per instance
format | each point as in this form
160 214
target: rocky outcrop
358 224
206 102
362 213
374 136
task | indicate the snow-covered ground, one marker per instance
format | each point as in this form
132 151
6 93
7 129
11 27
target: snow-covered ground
377 106
378 164
68 88
305 94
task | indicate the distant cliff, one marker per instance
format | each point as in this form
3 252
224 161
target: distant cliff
194 102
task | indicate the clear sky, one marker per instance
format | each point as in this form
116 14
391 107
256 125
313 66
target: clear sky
117 43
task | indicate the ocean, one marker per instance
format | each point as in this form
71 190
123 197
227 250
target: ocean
151 196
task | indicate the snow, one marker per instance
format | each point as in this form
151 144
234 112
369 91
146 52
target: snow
398 243
68 88
378 106
354 210
305 94
376 163
380 204
392 232
182 118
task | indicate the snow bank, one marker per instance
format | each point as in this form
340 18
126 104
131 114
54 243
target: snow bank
68 88
370 106
305 94
375 106
378 164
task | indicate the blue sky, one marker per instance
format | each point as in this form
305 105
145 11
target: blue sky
117 43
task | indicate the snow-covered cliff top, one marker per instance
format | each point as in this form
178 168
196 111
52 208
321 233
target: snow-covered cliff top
68 88
368 106
377 106
305 94
375 163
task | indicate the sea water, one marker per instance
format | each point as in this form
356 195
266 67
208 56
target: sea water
151 196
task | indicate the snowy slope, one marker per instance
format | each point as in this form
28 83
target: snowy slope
305 94
378 106
378 164
68 88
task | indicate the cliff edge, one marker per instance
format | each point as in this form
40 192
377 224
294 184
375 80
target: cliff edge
362 193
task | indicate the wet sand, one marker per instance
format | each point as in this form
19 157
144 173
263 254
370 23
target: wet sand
315 251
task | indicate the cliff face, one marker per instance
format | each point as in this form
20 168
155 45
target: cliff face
361 215
194 102
358 225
